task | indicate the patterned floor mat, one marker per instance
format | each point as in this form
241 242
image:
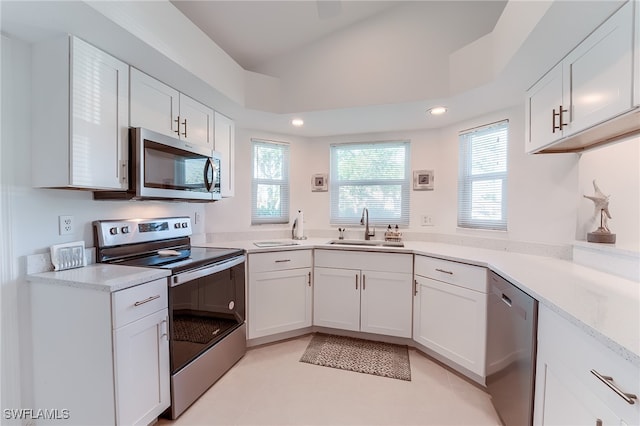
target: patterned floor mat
362 356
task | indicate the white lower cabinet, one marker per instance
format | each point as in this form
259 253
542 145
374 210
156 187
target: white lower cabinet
567 390
450 311
141 351
102 356
375 298
280 292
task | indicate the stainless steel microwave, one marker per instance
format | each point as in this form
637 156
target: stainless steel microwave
166 168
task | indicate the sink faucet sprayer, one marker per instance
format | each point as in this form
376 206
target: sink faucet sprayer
365 222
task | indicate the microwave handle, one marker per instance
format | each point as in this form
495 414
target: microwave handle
209 165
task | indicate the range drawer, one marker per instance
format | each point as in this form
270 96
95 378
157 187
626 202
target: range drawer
580 353
136 302
460 274
279 260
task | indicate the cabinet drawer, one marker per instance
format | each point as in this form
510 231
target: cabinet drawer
279 260
364 260
136 302
572 348
460 274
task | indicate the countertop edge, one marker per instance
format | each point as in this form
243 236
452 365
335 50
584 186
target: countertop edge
497 261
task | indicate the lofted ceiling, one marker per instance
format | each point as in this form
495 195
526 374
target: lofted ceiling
342 54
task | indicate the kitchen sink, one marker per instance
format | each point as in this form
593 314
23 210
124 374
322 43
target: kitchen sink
374 243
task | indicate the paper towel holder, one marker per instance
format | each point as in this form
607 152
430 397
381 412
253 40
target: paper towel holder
293 231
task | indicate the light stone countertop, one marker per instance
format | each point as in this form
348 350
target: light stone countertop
100 277
603 305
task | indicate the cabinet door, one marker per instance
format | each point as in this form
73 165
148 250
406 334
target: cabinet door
279 301
224 142
196 122
562 402
99 118
598 73
451 321
386 303
336 298
543 99
154 105
141 351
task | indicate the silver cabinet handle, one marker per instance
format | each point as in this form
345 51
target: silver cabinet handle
147 300
608 380
178 125
356 281
444 272
283 260
185 128
364 282
163 329
415 287
309 279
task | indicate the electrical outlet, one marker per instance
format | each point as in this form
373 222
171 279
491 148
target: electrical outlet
65 225
426 220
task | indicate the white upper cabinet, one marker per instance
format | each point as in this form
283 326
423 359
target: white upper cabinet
153 104
544 111
598 73
80 116
224 143
161 108
591 86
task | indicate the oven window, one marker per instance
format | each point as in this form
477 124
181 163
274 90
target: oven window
171 168
203 311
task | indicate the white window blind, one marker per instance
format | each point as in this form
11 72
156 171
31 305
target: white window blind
270 182
482 177
373 175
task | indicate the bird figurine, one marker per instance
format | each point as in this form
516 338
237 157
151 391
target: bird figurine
603 233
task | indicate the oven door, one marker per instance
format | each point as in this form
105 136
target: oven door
170 168
205 305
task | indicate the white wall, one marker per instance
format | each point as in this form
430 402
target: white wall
542 198
30 217
233 215
616 169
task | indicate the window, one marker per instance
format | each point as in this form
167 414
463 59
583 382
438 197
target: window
482 177
270 182
373 175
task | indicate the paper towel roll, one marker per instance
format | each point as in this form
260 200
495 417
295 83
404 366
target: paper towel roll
300 227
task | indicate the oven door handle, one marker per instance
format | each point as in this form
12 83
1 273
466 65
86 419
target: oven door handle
184 277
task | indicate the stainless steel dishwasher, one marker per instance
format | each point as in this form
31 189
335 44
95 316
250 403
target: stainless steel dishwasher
512 320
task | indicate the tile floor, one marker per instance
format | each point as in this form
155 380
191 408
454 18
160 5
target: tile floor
269 386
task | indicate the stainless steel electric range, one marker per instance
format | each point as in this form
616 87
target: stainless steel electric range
206 297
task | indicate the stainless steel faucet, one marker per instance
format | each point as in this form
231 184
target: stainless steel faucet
364 220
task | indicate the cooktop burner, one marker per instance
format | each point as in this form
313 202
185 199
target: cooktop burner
155 243
187 258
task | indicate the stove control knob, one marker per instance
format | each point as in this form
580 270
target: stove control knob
184 224
125 229
114 230
176 225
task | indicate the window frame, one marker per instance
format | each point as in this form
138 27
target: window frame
374 220
284 183
466 179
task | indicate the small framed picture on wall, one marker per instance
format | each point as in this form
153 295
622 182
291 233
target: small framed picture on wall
319 183
423 180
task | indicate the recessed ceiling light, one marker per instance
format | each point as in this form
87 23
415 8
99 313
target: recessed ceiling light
439 110
298 122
